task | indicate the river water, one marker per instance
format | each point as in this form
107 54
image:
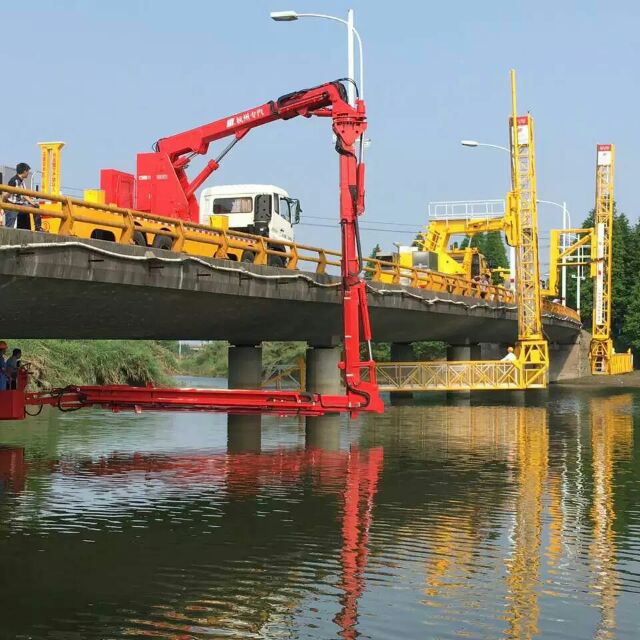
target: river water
492 518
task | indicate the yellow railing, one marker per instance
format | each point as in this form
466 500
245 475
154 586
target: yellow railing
449 376
69 216
621 363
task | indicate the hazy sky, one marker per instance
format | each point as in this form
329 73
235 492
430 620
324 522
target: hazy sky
109 78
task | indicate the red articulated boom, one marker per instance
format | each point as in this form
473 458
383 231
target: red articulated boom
163 188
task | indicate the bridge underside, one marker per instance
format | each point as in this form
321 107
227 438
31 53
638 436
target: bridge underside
56 287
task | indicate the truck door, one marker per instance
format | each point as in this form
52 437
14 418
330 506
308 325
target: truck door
282 227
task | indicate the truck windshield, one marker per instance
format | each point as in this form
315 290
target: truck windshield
285 208
290 209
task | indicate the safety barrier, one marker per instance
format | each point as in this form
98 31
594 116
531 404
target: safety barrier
68 216
621 363
449 376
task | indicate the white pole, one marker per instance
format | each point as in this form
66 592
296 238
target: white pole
578 289
512 268
563 294
351 90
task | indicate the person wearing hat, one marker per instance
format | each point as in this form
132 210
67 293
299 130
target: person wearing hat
510 357
3 368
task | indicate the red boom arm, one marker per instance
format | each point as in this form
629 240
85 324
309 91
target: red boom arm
171 158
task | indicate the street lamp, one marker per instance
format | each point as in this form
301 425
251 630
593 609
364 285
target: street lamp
475 143
566 224
290 16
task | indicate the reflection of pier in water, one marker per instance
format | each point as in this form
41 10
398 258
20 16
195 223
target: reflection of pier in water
248 480
539 481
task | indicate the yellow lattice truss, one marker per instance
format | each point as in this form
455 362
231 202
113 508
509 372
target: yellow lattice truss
604 359
531 349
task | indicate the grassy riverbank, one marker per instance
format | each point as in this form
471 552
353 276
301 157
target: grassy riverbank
61 362
57 363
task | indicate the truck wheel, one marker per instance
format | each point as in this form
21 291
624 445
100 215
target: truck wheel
162 242
139 239
247 256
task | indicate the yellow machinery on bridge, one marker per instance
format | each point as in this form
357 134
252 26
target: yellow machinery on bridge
530 367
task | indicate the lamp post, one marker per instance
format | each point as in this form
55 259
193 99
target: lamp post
566 224
475 143
290 16
512 250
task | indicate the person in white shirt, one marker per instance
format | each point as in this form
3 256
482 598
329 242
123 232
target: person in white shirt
510 357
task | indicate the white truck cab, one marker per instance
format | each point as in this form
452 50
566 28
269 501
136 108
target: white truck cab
261 209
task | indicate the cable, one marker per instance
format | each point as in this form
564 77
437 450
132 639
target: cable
37 413
260 276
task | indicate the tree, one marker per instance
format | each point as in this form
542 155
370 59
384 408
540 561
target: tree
368 275
625 262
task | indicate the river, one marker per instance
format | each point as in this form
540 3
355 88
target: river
496 517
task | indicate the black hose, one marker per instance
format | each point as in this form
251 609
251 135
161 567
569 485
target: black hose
37 413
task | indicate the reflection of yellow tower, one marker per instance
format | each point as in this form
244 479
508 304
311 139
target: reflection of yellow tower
484 433
611 438
524 565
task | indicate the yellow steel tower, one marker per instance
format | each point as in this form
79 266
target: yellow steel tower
604 360
601 345
532 348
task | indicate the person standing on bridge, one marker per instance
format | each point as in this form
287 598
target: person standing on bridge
13 217
510 357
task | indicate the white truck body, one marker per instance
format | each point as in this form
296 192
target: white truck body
262 209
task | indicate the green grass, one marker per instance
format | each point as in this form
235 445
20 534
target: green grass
57 363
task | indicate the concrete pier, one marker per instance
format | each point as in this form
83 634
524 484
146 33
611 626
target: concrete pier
401 352
323 433
244 432
458 352
323 376
245 366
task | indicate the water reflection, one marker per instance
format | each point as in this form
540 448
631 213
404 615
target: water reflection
478 520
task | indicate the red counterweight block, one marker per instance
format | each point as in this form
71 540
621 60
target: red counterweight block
118 187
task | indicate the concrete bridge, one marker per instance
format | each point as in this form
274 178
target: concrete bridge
61 287
57 287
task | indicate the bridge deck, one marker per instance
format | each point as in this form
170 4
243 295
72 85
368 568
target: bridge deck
56 287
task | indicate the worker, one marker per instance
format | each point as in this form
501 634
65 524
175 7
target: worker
13 217
511 355
3 375
11 368
484 285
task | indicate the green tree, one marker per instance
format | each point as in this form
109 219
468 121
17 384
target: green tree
368 275
625 264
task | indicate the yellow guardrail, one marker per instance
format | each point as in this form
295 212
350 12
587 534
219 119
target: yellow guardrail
470 375
68 216
621 363
448 376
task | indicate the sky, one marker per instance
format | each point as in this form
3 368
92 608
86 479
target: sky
110 78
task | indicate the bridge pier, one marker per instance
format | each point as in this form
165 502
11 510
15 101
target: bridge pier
401 352
244 432
323 376
323 433
456 352
461 352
